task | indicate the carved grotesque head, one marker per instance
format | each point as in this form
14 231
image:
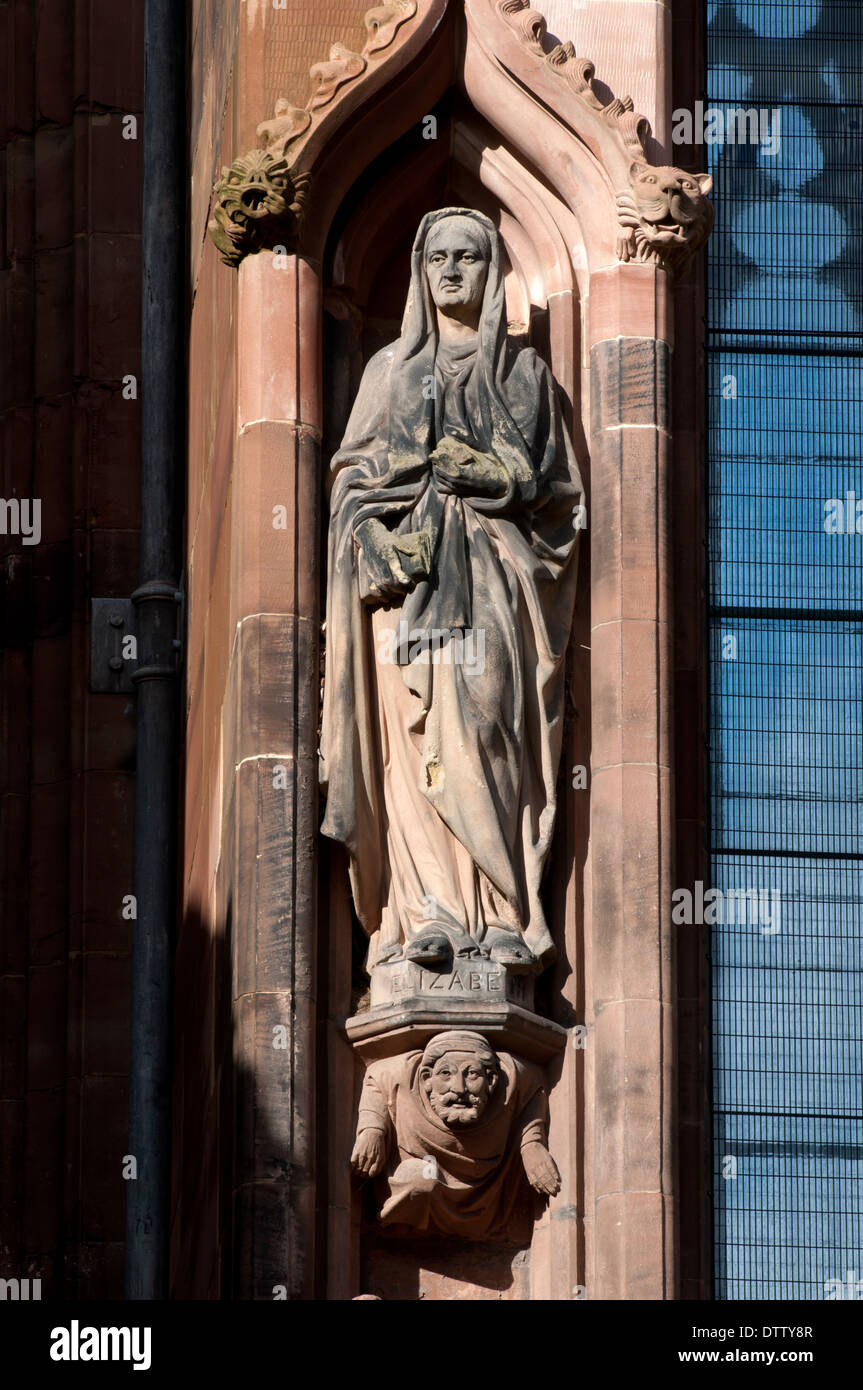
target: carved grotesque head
667 196
664 214
457 256
459 1073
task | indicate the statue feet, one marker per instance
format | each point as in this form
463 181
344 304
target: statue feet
389 952
511 952
429 948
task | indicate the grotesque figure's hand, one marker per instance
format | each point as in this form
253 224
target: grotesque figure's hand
370 1153
392 563
462 470
541 1169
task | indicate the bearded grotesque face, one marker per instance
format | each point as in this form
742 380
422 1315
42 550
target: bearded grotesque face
459 1087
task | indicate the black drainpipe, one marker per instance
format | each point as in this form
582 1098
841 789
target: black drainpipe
156 624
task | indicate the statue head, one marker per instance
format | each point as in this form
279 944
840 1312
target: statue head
457 257
459 1073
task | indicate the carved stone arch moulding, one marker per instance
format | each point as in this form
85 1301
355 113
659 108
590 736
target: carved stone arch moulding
594 232
538 231
540 96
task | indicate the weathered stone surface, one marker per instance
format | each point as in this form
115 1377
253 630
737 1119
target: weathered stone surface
394 1027
630 1067
454 440
455 1128
445 1270
469 981
631 383
271 325
631 300
257 203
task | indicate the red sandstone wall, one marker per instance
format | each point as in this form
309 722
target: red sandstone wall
69 271
69 298
242 59
202 1090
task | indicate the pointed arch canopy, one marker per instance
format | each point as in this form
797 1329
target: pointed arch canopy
539 96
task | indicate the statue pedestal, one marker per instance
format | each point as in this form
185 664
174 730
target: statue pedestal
470 980
410 1003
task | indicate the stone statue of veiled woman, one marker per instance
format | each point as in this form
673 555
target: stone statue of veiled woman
452 512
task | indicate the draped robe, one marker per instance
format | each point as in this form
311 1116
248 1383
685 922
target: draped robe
440 774
474 1184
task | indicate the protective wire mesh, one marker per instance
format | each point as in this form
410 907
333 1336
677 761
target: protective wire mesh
785 340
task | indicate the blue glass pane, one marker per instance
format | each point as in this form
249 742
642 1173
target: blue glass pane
787 720
785 448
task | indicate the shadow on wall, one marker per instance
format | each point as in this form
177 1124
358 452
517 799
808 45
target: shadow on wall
235 1197
203 1138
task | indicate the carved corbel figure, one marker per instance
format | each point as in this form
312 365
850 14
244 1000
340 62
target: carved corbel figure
456 1128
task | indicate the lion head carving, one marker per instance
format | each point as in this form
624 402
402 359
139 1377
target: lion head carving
664 214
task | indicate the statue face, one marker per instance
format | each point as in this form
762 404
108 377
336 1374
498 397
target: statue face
457 266
459 1088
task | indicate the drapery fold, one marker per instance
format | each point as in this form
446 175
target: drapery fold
488 735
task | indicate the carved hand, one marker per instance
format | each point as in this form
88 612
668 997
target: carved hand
541 1169
370 1152
460 469
393 563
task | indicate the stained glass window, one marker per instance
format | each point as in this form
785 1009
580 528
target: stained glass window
785 360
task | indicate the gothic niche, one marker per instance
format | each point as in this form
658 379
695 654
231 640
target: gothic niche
455 507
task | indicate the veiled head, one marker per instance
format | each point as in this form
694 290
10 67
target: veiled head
457 257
